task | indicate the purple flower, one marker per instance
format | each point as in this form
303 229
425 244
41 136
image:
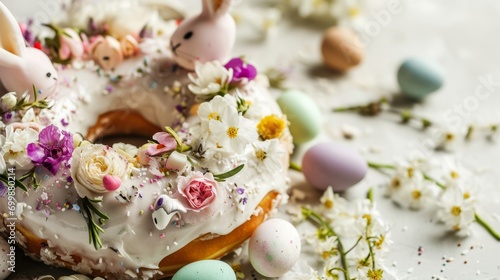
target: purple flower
3 189
241 71
53 148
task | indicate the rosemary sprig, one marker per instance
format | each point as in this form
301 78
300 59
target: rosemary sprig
222 177
19 184
88 211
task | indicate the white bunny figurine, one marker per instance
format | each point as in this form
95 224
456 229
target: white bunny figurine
21 67
206 37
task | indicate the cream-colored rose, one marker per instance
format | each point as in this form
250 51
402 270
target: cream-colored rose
91 163
130 46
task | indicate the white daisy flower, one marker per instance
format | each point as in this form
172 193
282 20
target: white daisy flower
265 156
457 209
453 171
232 132
450 138
415 194
333 206
14 146
406 173
215 109
211 78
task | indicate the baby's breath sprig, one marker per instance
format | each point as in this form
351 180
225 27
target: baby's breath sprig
88 211
480 220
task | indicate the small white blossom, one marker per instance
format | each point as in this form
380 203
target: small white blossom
29 116
450 139
211 78
14 146
8 101
131 150
215 109
457 209
415 194
453 171
266 156
232 132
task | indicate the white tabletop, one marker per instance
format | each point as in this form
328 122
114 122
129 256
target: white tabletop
463 37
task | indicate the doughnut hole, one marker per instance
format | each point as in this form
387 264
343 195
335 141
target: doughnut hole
122 126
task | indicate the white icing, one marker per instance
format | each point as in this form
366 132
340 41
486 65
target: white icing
131 242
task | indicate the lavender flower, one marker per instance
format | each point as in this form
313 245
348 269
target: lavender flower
53 148
3 189
241 71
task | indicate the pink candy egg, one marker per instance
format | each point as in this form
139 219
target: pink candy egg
332 164
111 183
274 247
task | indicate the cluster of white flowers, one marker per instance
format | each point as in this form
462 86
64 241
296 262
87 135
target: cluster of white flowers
446 184
348 233
327 9
13 147
210 79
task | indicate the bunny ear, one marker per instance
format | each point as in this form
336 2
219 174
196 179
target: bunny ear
216 8
12 45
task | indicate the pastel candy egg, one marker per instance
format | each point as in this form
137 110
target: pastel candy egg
111 182
418 78
4 259
331 164
206 270
303 114
341 49
274 247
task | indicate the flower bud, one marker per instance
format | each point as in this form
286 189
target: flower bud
8 101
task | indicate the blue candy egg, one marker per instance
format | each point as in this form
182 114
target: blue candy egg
206 270
418 78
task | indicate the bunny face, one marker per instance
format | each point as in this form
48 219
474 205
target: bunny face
107 52
23 68
206 37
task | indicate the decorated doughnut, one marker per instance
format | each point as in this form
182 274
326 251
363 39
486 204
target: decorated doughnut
213 169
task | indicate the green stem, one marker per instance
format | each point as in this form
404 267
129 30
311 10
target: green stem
295 166
487 227
369 195
429 178
379 166
343 255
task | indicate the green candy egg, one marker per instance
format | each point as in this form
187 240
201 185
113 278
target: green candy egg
206 270
303 114
418 78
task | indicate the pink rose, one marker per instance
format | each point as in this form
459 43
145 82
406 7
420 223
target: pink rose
200 195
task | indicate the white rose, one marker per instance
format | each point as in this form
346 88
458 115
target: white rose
8 101
91 163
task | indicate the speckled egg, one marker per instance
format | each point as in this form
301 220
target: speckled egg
332 164
418 78
341 49
206 270
274 247
303 114
4 258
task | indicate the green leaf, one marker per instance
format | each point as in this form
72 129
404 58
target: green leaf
229 174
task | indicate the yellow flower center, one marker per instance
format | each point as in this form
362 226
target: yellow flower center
375 274
328 204
410 171
456 210
271 127
396 183
449 137
214 116
454 175
232 132
466 195
260 155
416 194
368 218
